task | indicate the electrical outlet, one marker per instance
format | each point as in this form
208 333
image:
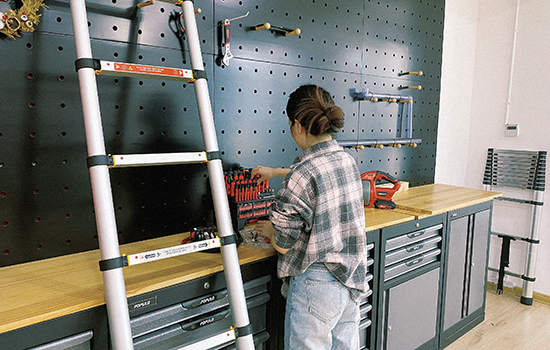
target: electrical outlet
512 130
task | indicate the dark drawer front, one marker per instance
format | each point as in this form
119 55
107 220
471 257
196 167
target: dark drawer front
80 341
189 309
211 328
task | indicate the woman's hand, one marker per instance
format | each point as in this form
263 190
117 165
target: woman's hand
264 172
267 173
265 229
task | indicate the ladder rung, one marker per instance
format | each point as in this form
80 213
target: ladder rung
134 160
171 252
143 71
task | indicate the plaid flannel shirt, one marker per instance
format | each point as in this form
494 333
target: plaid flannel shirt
319 216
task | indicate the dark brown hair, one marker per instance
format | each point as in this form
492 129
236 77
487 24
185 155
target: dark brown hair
313 107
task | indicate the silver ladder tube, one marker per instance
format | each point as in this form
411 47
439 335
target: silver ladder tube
531 256
233 277
115 289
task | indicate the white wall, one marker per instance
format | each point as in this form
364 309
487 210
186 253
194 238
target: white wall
477 56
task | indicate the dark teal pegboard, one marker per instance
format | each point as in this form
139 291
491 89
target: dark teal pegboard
46 207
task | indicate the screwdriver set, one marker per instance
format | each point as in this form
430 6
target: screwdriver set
249 200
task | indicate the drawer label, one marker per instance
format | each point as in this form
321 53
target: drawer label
142 304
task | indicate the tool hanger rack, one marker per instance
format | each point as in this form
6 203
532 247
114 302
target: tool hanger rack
524 170
99 162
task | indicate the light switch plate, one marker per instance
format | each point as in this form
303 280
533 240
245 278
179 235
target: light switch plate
512 130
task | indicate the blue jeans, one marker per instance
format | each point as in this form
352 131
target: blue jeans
320 313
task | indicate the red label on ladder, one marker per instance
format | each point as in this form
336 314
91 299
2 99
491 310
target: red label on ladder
131 69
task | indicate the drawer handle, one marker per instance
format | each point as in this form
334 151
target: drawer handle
414 262
415 248
416 234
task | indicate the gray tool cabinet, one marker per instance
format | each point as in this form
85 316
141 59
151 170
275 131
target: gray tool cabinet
410 274
368 321
432 284
465 270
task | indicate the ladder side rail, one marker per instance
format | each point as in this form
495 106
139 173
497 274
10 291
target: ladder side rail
531 256
230 258
115 289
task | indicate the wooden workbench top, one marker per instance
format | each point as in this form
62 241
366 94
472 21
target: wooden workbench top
376 219
437 199
47 289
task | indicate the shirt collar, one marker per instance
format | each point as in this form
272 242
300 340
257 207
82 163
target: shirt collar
317 149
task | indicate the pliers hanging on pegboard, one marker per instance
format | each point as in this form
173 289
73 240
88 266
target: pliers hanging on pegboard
177 27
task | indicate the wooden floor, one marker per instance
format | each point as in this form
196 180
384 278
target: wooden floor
509 325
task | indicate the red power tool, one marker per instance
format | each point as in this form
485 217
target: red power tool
379 197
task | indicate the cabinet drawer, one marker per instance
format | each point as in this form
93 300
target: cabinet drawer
204 327
411 250
411 264
413 237
80 341
188 309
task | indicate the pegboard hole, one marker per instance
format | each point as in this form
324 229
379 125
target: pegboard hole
67 215
37 219
115 54
2 194
142 133
30 76
66 188
32 134
59 19
62 105
63 133
115 28
31 105
162 35
68 241
4 223
60 48
29 46
39 246
6 252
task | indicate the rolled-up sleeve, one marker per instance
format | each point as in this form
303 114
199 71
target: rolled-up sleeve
293 213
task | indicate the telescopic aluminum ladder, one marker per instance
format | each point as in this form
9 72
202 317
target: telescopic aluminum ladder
524 170
99 162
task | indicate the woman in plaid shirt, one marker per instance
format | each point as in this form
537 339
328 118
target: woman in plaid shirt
318 227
